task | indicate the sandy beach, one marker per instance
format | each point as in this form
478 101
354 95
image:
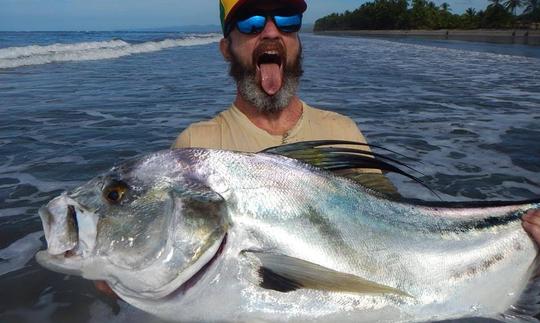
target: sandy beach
508 36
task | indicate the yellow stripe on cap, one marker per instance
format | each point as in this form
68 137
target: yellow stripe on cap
226 7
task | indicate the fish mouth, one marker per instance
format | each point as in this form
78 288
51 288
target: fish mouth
70 232
72 216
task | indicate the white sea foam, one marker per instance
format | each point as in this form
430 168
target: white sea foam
35 50
41 185
17 254
13 211
12 57
477 152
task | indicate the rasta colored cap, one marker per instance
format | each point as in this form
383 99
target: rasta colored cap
228 8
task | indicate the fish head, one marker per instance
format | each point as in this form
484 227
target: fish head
146 227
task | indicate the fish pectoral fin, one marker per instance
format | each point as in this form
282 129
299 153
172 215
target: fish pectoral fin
283 273
273 281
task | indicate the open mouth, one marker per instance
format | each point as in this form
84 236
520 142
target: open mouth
74 224
61 232
70 230
271 57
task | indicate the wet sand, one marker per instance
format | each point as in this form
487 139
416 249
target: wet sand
508 36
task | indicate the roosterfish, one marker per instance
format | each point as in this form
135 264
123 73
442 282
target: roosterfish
202 235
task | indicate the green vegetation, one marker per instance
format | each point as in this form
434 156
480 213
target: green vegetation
423 14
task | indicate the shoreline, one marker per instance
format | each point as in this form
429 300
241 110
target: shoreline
499 36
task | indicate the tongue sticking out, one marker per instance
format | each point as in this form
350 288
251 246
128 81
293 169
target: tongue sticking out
271 78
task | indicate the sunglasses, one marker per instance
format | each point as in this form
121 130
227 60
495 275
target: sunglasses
255 24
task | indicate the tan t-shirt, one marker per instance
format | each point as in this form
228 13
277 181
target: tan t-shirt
232 130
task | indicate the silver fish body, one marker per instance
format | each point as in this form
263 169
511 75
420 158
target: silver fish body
192 235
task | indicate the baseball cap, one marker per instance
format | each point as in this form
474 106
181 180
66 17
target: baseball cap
229 8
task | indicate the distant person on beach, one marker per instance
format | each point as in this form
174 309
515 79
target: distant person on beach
261 43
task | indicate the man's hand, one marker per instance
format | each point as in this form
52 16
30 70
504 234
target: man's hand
531 224
104 288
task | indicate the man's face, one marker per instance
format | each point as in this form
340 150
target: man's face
266 66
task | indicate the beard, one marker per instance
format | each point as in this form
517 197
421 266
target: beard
251 91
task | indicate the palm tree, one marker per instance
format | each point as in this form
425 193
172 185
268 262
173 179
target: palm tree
511 5
495 3
471 18
445 7
531 5
419 3
471 12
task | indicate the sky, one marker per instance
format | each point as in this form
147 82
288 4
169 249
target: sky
60 15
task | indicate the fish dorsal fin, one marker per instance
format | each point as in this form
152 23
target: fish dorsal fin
284 274
340 159
319 154
376 182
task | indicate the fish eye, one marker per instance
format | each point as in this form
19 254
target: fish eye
115 191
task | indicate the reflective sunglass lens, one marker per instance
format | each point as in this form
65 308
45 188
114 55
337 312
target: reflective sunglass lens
256 24
251 25
289 23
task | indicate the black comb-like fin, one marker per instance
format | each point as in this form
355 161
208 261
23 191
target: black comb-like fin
318 154
297 146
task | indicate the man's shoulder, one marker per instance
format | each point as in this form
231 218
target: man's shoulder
204 125
203 134
326 116
326 124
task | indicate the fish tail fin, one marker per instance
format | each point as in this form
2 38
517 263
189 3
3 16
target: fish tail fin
527 307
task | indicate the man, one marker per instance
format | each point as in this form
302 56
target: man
262 45
265 54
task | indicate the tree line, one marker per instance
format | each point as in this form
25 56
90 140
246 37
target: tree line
424 14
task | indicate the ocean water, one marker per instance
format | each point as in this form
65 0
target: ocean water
73 104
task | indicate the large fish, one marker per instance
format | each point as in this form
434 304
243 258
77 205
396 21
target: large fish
208 235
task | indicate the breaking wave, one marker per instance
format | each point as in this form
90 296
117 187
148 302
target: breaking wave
12 57
16 255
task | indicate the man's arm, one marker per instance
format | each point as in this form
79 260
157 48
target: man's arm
183 140
104 288
204 134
